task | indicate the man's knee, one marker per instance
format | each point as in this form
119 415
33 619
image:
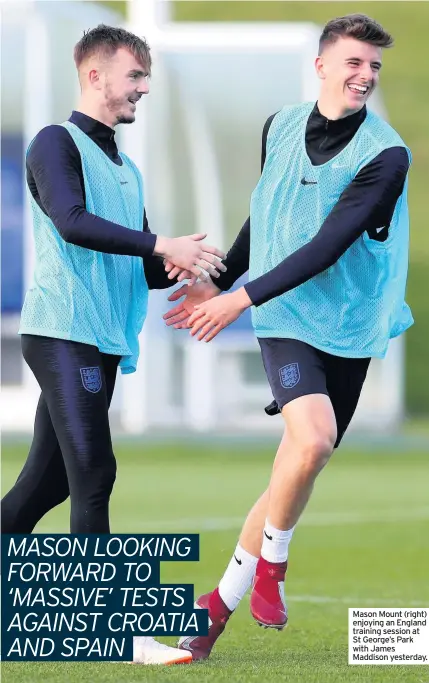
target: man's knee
108 475
102 479
311 431
315 448
95 480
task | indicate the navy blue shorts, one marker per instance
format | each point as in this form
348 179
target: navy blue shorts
296 369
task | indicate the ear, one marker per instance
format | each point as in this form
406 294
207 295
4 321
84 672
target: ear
320 67
94 79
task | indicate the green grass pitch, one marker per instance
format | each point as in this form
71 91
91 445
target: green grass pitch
362 543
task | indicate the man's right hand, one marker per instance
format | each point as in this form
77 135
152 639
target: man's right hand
194 294
187 253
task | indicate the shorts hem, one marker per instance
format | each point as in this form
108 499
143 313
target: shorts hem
304 393
75 338
320 347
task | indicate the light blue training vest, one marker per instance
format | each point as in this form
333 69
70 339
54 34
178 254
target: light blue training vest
83 295
354 307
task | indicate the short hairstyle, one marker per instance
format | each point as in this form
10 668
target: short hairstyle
357 26
106 40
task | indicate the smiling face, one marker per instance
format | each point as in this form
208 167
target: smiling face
349 70
112 85
123 81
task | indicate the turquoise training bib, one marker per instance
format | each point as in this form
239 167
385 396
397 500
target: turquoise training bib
83 295
353 308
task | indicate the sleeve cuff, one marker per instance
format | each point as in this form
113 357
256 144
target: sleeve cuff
251 292
148 243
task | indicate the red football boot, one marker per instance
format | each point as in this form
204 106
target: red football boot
267 601
201 646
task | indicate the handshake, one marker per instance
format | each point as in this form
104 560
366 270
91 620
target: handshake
202 310
187 258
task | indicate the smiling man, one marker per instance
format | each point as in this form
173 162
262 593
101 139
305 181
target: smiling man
96 259
326 246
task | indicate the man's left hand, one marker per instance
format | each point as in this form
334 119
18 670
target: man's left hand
214 315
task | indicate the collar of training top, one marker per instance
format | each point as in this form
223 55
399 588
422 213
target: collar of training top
338 126
93 128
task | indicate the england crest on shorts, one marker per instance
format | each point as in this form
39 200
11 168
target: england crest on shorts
91 379
289 375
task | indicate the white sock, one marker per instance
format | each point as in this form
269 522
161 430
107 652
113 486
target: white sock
238 577
275 543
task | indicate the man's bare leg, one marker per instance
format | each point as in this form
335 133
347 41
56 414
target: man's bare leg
311 436
307 443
